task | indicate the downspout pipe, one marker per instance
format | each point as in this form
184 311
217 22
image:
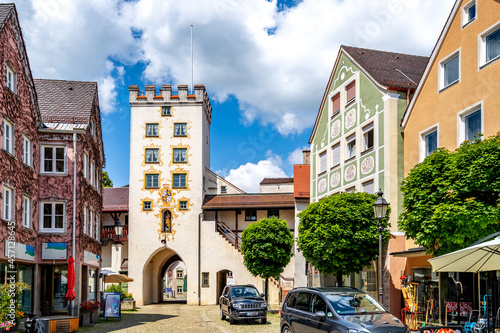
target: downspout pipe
199 258
75 140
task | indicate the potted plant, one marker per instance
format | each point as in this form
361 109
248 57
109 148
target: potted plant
96 307
86 309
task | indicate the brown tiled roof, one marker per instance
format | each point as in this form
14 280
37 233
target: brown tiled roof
66 101
5 9
244 201
396 70
301 188
115 199
266 181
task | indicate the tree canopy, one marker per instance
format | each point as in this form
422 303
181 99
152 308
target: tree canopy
106 181
267 247
451 199
339 234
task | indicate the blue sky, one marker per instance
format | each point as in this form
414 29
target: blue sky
265 64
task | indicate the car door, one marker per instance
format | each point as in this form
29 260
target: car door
224 299
300 316
318 324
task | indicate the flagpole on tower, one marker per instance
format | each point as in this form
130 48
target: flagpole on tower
192 83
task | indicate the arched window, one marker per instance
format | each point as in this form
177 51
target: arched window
166 225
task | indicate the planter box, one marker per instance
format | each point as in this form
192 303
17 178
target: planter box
85 317
94 316
128 304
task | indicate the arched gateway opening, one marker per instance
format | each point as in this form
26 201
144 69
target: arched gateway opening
155 277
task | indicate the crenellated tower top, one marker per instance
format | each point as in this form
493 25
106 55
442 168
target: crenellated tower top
167 96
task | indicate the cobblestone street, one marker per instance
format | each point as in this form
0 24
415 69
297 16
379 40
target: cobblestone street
180 317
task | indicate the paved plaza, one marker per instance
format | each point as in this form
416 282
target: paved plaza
168 317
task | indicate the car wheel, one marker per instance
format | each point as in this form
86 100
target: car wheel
231 318
222 315
285 329
263 320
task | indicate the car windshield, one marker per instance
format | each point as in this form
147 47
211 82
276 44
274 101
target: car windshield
351 304
244 292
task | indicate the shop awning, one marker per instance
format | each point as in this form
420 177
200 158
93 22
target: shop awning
477 258
413 252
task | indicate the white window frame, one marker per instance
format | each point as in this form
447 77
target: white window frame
8 203
367 129
27 151
92 173
466 20
461 120
482 46
91 223
441 70
27 211
223 189
348 140
422 142
54 160
85 165
52 229
322 160
11 82
179 288
85 219
8 139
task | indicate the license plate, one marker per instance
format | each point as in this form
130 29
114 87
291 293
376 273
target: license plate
252 314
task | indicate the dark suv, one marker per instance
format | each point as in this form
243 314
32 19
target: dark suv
341 310
242 302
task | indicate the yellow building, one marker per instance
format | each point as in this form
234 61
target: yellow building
456 99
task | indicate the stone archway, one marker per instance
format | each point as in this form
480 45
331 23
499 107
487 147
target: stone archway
154 271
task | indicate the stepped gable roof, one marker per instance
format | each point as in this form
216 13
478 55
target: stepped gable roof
267 181
301 183
248 201
391 69
5 9
115 199
66 101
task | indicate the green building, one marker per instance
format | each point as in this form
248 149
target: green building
357 145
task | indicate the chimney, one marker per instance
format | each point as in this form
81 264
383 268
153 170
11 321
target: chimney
306 156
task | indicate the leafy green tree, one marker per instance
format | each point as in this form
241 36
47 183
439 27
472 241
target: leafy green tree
451 199
106 181
339 234
267 248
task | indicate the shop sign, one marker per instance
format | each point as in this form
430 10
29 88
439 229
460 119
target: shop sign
54 251
19 250
465 307
112 305
90 258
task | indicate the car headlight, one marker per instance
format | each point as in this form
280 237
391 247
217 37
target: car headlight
237 306
263 305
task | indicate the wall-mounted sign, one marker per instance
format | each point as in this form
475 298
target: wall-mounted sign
19 251
90 259
54 251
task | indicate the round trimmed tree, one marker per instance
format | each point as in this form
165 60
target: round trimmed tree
267 248
339 234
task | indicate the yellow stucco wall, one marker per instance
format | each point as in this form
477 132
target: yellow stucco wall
476 84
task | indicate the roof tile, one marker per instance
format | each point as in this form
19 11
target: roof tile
254 201
114 199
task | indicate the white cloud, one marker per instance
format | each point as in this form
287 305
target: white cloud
248 176
296 157
277 78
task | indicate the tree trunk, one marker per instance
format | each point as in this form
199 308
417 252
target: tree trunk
267 289
339 279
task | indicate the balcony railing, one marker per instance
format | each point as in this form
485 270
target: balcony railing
109 232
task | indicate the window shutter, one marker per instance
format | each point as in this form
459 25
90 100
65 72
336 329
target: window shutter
322 162
351 91
335 103
336 155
